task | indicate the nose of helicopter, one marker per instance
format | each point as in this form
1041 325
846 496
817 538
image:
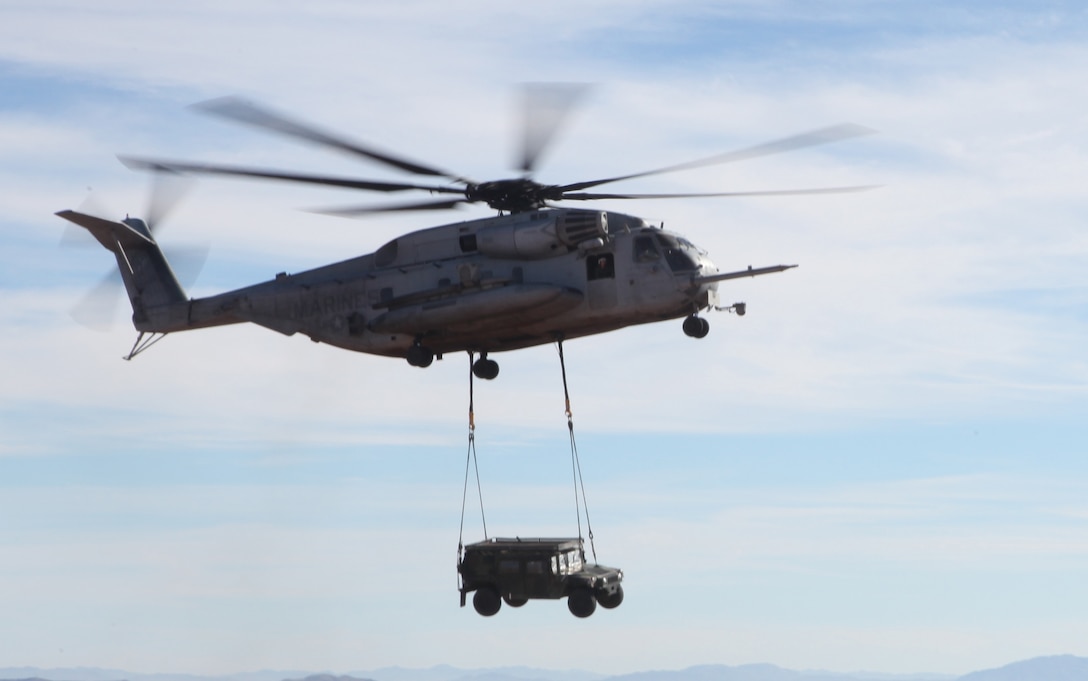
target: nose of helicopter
706 291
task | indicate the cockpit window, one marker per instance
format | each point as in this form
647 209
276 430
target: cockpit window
645 249
676 254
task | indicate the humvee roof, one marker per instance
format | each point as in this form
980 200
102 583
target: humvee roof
527 544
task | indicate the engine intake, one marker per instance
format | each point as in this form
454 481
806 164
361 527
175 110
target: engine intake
557 233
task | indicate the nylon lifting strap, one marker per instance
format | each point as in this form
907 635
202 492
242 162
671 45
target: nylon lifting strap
470 458
576 464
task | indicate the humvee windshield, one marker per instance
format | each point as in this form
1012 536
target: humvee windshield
567 562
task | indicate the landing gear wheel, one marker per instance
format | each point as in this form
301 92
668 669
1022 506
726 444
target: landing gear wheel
486 601
420 356
611 600
485 368
581 603
515 602
696 327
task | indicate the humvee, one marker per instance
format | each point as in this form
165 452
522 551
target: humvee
516 570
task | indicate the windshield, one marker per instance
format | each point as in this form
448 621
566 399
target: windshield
567 562
676 253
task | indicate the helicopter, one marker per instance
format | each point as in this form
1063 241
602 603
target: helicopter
534 273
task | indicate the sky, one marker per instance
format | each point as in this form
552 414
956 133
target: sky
881 466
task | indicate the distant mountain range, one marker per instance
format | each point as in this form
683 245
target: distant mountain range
1055 668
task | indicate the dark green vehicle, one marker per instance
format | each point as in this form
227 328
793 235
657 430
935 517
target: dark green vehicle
516 570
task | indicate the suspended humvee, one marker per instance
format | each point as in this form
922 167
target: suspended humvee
517 570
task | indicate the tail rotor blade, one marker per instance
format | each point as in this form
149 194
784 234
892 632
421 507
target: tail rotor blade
74 236
167 190
97 309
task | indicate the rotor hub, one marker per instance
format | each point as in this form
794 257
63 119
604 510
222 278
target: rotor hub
514 195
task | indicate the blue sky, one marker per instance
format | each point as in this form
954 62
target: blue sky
881 466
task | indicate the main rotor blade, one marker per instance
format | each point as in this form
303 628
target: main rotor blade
239 171
592 196
243 111
813 138
358 211
546 107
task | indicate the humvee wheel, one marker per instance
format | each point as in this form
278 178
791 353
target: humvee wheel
486 601
581 603
611 600
515 602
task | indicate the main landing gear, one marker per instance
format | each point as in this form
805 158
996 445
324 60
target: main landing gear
696 327
419 355
485 368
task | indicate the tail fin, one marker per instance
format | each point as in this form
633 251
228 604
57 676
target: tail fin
148 278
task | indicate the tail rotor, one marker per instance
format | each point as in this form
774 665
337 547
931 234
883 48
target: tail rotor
97 309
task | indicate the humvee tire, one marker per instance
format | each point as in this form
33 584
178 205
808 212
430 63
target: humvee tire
611 600
581 602
486 601
515 602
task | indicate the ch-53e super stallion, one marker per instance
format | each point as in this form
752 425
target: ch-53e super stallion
534 273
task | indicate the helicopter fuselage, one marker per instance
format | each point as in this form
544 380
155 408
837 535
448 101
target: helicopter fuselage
484 285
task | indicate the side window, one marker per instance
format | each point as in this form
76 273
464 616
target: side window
645 249
601 266
535 567
509 567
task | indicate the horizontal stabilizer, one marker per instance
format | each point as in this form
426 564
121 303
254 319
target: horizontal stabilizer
108 232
